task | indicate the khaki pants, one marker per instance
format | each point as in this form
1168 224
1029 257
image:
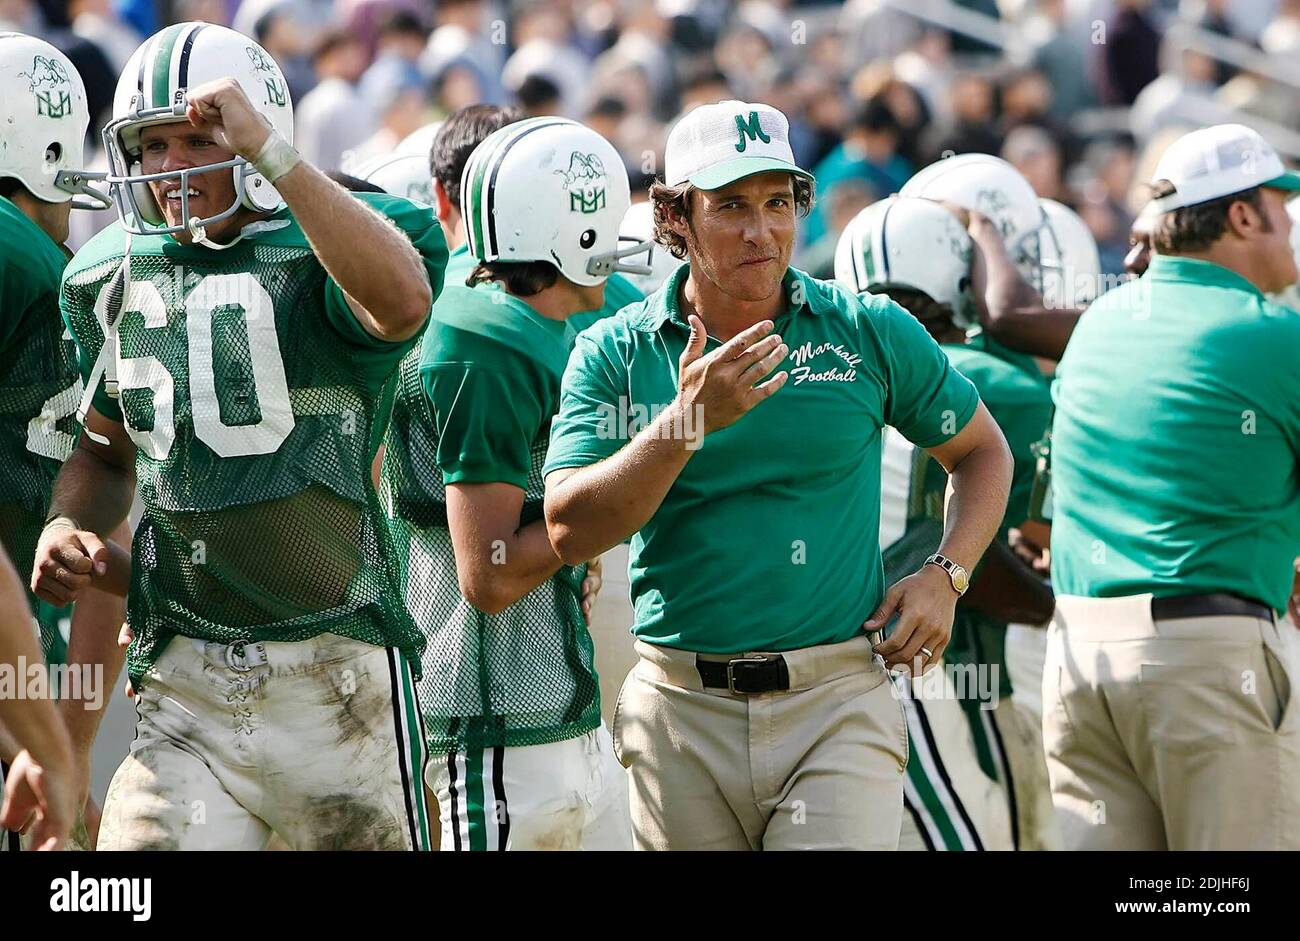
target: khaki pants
303 738
819 766
1177 734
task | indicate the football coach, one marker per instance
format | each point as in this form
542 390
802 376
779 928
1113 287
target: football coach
1166 690
731 425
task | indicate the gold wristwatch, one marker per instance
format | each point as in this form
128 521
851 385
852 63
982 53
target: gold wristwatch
957 574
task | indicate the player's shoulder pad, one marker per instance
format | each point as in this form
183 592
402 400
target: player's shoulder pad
411 217
482 325
993 377
108 242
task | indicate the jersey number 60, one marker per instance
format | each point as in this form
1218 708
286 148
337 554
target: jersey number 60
213 292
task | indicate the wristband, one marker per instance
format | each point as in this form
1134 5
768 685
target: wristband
55 517
276 158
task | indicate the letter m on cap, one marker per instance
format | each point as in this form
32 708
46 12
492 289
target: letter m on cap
750 129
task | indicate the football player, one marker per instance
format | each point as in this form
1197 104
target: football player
919 254
510 692
43 120
239 331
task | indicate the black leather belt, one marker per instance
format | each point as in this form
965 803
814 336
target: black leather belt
1221 604
745 674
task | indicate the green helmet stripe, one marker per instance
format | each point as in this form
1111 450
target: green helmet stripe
162 64
484 183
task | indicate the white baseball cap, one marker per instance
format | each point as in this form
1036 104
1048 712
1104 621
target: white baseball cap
1218 161
713 145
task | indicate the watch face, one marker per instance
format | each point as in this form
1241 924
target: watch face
960 580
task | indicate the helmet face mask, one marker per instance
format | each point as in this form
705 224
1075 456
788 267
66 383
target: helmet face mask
152 90
553 190
44 113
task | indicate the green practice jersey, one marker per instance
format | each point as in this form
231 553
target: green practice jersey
39 389
475 406
256 402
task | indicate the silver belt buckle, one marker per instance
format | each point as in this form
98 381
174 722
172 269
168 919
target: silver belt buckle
731 671
242 656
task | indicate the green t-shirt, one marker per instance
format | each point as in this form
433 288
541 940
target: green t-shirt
475 406
1175 440
979 339
768 539
39 391
256 402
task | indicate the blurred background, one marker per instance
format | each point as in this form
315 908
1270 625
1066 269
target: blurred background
1080 95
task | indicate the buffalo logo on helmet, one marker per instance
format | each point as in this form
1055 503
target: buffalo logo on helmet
585 182
46 80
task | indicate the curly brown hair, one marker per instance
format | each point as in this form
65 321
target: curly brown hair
671 201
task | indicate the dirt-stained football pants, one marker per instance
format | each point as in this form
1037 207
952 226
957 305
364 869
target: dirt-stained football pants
1174 734
818 766
318 740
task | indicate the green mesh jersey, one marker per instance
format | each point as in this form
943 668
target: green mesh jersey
256 403
474 405
913 486
39 389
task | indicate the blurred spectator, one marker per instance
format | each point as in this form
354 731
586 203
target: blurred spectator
869 153
539 96
1034 152
642 44
97 23
543 33
927 67
706 85
394 92
605 117
877 80
747 56
1282 35
333 118
1058 55
459 43
1182 96
1103 180
1129 54
1214 18
848 199
283 34
363 18
972 131
402 33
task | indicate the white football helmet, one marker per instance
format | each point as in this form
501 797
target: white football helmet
406 175
995 188
152 91
43 120
549 189
1071 263
912 244
638 226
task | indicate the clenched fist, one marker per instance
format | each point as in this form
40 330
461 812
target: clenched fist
223 110
68 559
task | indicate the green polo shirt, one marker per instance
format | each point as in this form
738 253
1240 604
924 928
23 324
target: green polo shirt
1175 440
769 538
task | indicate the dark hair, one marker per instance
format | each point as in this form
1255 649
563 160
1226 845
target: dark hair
704 75
10 186
537 90
353 184
669 201
521 278
607 106
1195 228
402 22
331 40
875 117
457 138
